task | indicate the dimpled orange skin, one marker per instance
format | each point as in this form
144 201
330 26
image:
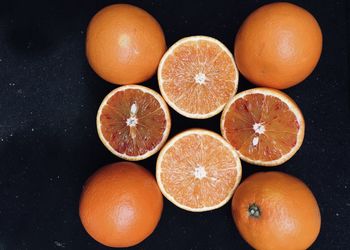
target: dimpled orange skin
120 205
124 44
289 214
278 45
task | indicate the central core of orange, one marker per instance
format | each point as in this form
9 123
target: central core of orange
199 172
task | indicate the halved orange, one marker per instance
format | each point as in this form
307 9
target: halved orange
264 125
198 170
197 76
133 122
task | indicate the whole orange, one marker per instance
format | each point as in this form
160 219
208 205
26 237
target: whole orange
274 211
120 205
124 44
278 45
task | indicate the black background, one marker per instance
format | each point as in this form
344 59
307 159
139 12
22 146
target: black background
49 97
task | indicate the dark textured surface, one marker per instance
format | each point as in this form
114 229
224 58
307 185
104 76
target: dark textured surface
49 145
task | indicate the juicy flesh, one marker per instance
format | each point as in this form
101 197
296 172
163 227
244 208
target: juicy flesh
133 122
261 127
198 171
198 77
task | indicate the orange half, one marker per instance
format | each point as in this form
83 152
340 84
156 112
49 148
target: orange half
197 76
264 125
133 122
198 170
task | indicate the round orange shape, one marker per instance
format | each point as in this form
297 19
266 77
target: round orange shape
198 170
197 76
120 205
133 122
124 44
264 125
275 211
278 45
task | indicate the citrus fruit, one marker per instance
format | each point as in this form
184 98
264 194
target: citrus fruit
124 44
278 45
120 205
197 76
133 122
274 210
265 126
198 170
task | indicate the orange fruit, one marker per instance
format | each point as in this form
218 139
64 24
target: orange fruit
265 126
275 211
124 44
197 76
120 205
278 45
198 170
133 122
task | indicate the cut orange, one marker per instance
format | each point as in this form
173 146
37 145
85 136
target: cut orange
197 76
264 125
133 122
198 170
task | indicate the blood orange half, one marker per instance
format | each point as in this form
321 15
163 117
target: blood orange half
133 122
197 76
264 125
198 170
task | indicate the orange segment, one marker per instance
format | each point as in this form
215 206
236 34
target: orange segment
197 76
198 170
264 125
133 122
